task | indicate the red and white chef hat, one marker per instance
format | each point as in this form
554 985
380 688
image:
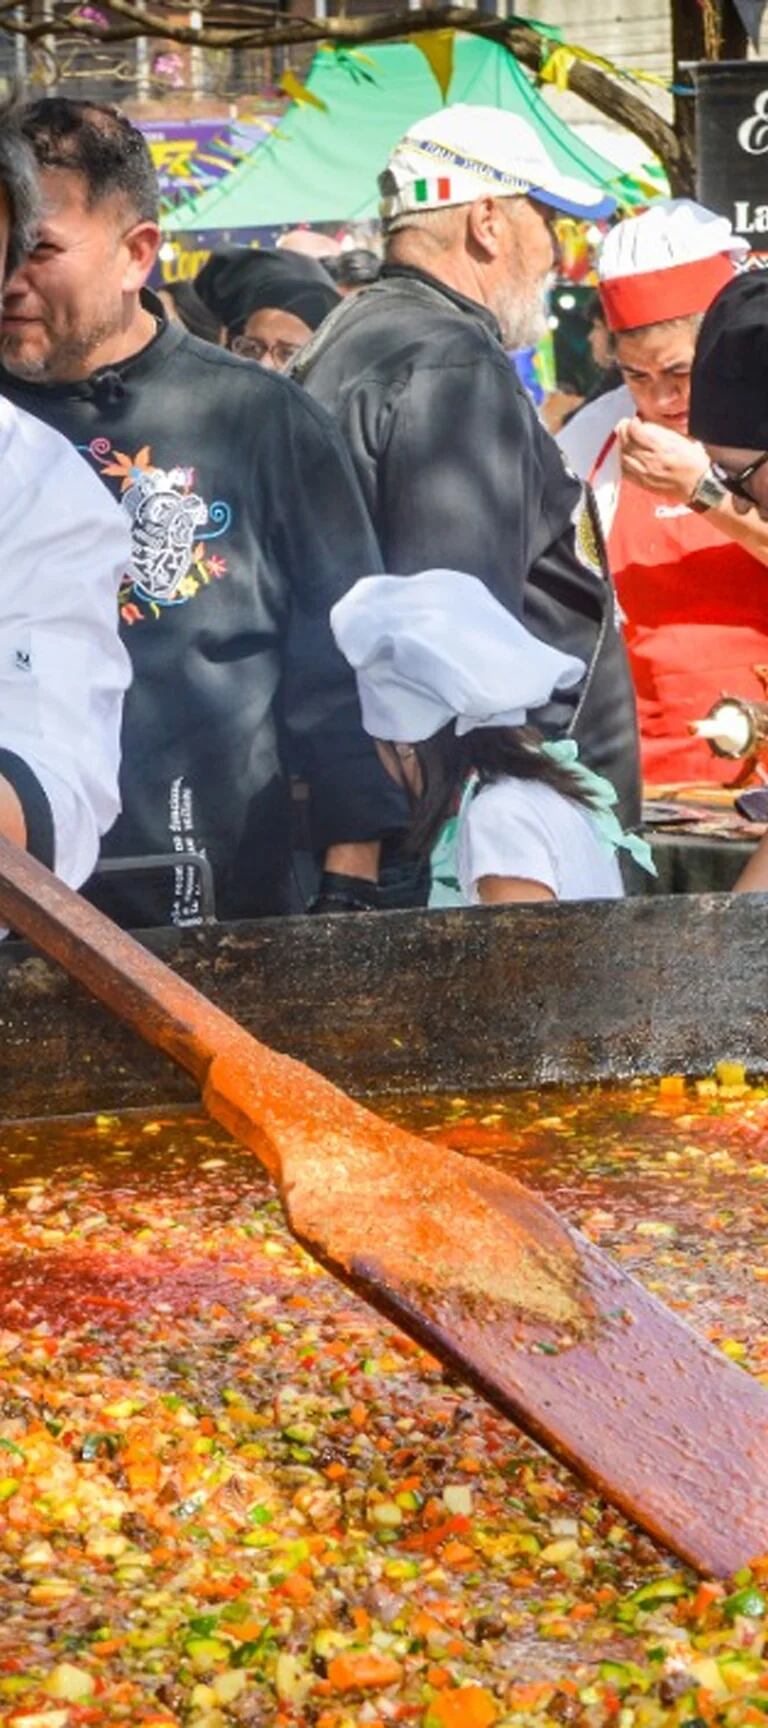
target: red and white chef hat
670 262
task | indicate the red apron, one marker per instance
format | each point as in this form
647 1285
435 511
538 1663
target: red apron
696 609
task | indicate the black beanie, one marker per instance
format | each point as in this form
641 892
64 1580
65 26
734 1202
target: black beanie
729 382
237 281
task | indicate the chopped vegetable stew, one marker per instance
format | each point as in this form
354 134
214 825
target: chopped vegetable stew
231 1494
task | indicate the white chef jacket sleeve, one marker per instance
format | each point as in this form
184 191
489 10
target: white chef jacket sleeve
63 668
503 834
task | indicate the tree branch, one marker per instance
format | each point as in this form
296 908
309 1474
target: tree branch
608 95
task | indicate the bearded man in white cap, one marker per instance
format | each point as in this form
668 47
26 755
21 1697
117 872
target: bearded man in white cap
455 467
687 565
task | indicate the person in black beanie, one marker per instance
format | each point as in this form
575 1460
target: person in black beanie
729 391
183 305
269 302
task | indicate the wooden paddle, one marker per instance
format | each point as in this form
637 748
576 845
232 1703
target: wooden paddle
473 1265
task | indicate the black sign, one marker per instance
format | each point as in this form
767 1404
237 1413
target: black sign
732 144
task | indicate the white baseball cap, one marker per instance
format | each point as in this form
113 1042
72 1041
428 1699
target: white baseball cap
437 647
466 152
670 262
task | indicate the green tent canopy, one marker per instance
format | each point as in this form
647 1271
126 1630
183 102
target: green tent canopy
321 165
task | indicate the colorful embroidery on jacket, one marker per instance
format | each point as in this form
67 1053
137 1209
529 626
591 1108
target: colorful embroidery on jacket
171 525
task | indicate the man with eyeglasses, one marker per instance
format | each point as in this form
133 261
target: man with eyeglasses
686 559
247 525
729 392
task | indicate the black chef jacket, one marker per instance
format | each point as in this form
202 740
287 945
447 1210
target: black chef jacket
247 525
458 473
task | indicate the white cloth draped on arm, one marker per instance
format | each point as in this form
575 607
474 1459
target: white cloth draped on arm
63 668
592 452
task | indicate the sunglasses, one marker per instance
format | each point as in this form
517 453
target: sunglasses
736 484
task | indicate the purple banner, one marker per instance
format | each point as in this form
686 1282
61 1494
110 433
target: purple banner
190 155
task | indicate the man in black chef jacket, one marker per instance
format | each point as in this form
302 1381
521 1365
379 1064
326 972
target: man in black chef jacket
456 469
247 525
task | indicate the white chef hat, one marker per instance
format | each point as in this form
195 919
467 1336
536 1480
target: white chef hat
464 152
437 647
670 262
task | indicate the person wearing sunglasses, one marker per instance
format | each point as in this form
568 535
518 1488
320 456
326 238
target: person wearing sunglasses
685 546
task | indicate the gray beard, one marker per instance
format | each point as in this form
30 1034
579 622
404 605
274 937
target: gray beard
30 371
523 319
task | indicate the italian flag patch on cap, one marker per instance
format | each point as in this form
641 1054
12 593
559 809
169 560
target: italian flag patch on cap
432 191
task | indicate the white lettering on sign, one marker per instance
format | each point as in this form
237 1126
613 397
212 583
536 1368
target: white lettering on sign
750 218
753 133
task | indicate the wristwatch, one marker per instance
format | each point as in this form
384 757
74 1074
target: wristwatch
708 493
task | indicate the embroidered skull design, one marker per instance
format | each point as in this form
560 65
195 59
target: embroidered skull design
165 521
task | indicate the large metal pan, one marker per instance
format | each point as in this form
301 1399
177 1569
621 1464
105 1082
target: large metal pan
414 1001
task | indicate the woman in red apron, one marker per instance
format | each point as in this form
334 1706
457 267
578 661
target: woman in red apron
690 572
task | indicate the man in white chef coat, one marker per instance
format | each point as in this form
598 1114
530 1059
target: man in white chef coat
63 551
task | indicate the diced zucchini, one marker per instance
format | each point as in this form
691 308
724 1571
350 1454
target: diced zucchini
204 1653
749 1601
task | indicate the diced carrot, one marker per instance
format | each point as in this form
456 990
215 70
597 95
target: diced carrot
456 1647
438 1676
465 1707
245 1630
583 1611
452 1612
707 1593
424 1623
358 1415
335 1472
425 1540
361 1620
362 1670
457 1555
528 1694
145 1473
297 1588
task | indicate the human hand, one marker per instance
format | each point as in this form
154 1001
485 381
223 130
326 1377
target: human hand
659 459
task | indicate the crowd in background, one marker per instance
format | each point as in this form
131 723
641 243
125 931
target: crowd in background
376 617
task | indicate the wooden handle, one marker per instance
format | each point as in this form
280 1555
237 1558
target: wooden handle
161 1007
